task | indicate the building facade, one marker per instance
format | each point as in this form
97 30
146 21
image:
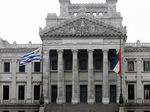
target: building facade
79 48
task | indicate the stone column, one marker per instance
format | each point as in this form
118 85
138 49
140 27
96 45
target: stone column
46 73
75 78
29 83
60 74
118 87
105 98
91 98
139 83
13 84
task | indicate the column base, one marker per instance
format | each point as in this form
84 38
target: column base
46 101
105 100
91 101
13 100
139 100
28 100
60 100
75 100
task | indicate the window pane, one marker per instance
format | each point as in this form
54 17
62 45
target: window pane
21 93
37 67
68 65
130 65
6 66
131 92
54 64
146 65
6 92
147 92
36 92
83 64
22 68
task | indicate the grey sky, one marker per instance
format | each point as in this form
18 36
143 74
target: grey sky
20 19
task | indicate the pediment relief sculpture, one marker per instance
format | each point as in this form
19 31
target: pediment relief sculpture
82 26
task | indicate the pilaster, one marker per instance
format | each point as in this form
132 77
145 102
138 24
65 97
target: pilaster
75 79
91 98
139 83
60 79
46 76
13 85
105 98
29 83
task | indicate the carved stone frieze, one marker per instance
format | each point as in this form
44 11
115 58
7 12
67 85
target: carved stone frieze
81 26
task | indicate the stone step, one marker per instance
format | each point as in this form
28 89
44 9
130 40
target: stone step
82 107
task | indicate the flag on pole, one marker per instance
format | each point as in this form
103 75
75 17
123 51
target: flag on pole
117 63
31 57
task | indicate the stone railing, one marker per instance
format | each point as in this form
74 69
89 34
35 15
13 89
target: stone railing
24 46
137 44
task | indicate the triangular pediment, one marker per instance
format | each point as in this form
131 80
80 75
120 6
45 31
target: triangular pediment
83 26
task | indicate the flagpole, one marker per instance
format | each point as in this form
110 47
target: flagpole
42 96
121 96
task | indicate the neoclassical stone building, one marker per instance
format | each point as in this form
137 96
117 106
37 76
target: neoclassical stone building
79 47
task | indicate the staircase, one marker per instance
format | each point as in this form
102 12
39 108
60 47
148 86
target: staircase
82 108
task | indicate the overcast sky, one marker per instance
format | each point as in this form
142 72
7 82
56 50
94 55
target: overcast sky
20 19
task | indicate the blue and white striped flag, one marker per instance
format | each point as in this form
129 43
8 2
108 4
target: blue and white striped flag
31 57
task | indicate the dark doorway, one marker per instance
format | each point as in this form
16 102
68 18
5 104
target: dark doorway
68 93
83 93
98 93
113 94
54 93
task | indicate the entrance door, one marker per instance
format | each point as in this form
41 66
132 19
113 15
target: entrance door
54 93
98 93
68 93
83 93
113 94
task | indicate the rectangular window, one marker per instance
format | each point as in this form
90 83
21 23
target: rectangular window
68 64
97 64
54 64
6 92
21 92
130 66
146 65
36 92
146 91
131 91
22 68
37 67
6 66
83 64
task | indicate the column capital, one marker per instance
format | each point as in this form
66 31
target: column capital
139 59
105 50
90 50
74 50
60 51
